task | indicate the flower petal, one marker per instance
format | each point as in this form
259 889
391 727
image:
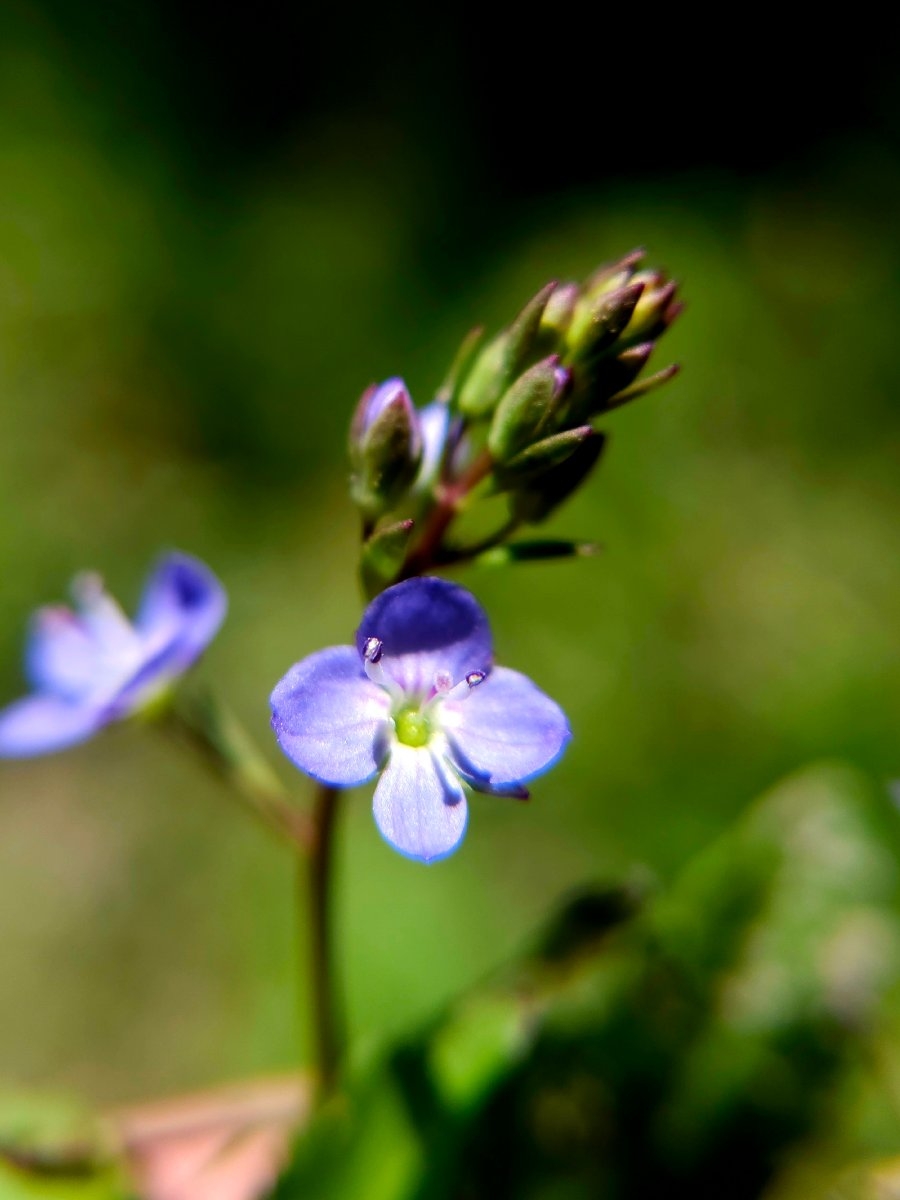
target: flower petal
506 730
427 626
330 719
60 655
434 421
420 806
182 606
42 724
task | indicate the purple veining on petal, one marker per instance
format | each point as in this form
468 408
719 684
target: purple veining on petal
419 806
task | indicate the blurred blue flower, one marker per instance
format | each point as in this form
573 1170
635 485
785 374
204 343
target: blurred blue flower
434 423
93 666
418 699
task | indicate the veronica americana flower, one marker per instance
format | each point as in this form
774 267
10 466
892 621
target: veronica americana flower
92 666
418 700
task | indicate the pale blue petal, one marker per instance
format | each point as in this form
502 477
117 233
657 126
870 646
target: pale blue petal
506 730
330 719
60 655
434 421
42 724
420 806
182 607
427 626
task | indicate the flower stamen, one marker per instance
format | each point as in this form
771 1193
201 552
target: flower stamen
373 652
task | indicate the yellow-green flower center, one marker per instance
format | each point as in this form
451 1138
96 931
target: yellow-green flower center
412 727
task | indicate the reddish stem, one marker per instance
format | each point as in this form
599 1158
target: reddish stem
450 496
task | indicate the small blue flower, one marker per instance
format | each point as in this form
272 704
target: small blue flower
418 699
93 666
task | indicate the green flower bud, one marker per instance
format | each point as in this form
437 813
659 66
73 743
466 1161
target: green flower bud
540 457
536 501
557 316
385 447
528 409
599 321
656 308
503 359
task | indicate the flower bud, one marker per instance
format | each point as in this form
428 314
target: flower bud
535 501
598 321
385 447
503 358
542 456
557 316
528 410
655 310
611 276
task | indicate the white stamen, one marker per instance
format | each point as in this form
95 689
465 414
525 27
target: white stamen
465 686
373 652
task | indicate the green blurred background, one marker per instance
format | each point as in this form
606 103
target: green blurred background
213 235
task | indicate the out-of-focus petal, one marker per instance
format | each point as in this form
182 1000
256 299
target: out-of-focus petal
330 719
41 724
113 635
506 730
434 421
183 605
427 626
420 806
60 655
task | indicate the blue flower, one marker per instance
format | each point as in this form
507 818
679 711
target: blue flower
419 700
93 666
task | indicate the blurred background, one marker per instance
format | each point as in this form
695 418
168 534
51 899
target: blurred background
214 233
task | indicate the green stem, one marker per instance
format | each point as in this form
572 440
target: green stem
206 727
316 902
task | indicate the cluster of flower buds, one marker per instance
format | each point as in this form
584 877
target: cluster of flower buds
514 417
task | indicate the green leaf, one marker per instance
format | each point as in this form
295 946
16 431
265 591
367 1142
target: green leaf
383 554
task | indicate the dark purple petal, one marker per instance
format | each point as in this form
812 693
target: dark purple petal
60 655
427 626
183 606
420 806
506 730
330 719
41 724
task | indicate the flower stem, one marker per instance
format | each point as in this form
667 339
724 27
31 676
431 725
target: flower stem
204 725
315 902
450 498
